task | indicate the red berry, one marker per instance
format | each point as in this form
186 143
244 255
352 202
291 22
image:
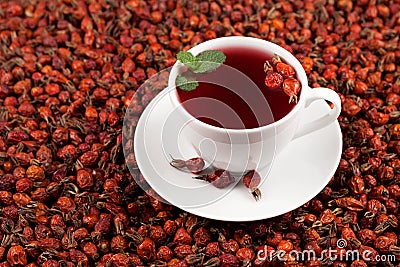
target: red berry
251 179
291 87
195 165
273 80
228 260
147 249
285 70
219 178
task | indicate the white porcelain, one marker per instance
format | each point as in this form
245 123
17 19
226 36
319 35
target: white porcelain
298 174
240 150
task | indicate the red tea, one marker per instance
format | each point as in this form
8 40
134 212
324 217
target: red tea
237 97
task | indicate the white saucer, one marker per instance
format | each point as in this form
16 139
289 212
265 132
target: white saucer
298 174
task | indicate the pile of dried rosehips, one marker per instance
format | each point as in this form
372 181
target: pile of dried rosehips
69 69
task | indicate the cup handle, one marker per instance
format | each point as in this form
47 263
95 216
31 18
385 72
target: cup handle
325 120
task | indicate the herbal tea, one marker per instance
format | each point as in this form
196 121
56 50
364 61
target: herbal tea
235 95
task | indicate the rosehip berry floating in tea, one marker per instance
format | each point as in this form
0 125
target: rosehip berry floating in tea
252 180
291 87
219 178
193 165
273 80
285 70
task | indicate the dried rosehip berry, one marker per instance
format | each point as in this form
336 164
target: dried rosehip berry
35 173
182 237
66 204
285 245
24 185
11 212
7 182
252 180
77 256
16 255
273 80
193 165
164 253
212 249
230 246
219 178
285 69
103 225
157 234
17 136
147 249
291 87
170 227
201 236
274 239
84 179
90 249
228 260
245 254
182 251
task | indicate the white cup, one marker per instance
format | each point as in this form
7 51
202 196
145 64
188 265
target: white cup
239 150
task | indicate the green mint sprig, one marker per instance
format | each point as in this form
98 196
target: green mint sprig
186 83
204 62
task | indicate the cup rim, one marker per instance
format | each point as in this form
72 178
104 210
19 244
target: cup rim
235 40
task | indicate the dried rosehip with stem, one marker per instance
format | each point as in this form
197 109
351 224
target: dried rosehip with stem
219 178
291 87
252 180
193 165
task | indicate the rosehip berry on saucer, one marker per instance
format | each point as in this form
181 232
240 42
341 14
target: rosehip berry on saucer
273 80
193 165
252 180
219 178
291 87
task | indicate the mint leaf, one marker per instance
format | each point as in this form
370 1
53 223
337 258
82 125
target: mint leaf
204 62
215 56
209 60
185 57
206 66
186 84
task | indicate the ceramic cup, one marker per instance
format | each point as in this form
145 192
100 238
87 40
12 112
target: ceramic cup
239 150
